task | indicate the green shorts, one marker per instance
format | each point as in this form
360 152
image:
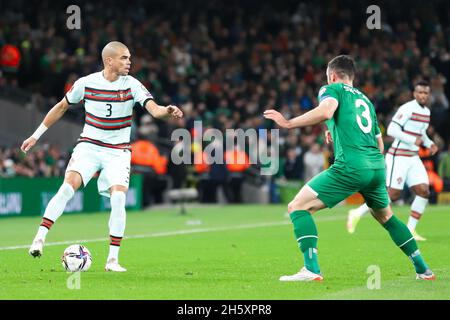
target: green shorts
336 184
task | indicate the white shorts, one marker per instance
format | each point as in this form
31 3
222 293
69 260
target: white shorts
401 170
113 164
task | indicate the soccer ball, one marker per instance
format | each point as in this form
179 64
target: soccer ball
76 258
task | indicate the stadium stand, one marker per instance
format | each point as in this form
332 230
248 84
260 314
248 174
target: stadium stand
223 62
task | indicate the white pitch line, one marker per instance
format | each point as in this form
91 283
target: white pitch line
174 233
158 234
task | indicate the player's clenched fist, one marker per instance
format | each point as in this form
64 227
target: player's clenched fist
28 144
175 111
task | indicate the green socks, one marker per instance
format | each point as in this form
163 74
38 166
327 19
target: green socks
306 234
405 241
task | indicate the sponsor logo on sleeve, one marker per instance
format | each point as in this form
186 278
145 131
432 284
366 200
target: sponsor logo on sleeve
322 91
146 92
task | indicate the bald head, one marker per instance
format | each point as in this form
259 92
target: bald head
113 49
116 59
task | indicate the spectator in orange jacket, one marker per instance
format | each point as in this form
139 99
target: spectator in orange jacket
146 160
436 182
237 162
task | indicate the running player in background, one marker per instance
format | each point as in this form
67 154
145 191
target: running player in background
104 144
359 167
403 165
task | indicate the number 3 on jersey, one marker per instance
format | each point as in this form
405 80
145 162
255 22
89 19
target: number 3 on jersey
109 109
365 114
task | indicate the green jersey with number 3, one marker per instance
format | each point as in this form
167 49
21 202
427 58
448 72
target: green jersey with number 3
353 127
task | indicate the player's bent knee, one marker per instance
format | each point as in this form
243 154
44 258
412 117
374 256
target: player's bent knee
297 205
423 192
290 208
118 188
294 205
74 179
394 195
382 215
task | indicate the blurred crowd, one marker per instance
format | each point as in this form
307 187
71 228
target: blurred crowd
224 62
44 160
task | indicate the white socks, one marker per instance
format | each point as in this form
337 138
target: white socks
417 209
361 210
117 223
55 209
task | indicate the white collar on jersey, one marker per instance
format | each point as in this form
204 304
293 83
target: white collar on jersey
103 76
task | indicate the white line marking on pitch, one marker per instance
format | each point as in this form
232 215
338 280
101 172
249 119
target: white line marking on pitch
173 233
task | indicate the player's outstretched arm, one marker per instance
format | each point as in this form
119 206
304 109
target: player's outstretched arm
162 112
52 116
324 111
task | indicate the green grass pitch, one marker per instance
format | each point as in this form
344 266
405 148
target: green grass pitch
222 252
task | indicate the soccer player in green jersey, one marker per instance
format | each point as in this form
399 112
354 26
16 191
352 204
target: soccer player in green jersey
359 167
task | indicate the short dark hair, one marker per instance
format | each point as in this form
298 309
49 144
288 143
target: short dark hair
422 83
343 65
